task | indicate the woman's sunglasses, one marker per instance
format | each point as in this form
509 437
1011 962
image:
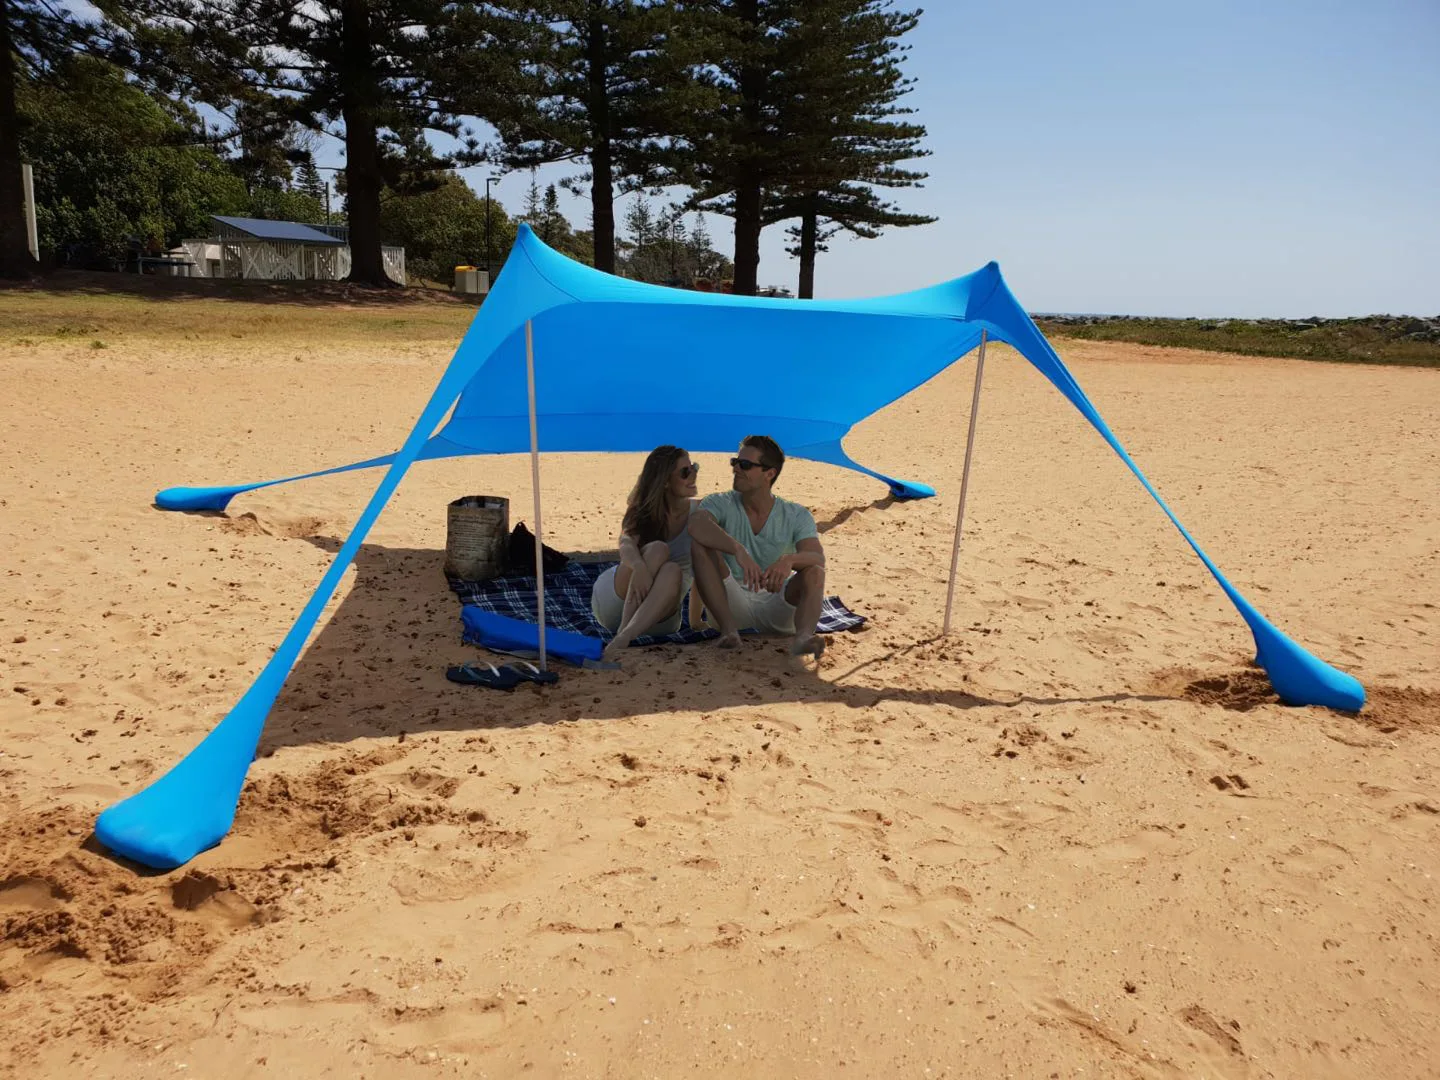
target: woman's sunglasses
687 471
745 466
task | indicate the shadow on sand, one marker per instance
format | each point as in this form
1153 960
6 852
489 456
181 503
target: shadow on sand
377 668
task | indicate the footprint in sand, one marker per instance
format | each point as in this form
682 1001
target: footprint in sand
25 892
212 900
1223 1052
438 884
1232 784
133 770
1313 863
249 524
1239 690
430 782
1155 842
1052 1009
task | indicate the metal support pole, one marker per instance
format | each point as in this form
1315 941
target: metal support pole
965 480
488 275
535 487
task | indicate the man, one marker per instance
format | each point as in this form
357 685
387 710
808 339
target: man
757 559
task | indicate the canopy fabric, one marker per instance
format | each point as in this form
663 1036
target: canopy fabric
802 371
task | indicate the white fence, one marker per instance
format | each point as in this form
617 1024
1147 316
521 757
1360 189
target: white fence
282 260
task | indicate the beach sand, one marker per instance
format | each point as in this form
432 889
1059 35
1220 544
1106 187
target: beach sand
1077 837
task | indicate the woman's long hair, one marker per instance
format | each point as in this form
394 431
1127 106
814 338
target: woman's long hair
645 512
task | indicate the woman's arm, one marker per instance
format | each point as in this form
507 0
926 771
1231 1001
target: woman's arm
632 573
704 529
707 532
630 553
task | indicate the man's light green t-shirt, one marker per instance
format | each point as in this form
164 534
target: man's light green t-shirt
787 525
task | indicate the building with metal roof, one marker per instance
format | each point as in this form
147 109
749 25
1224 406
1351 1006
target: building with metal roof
264 250
261 229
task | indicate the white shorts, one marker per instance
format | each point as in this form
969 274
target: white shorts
767 612
609 608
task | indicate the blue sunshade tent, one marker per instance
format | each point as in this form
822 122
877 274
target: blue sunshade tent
804 372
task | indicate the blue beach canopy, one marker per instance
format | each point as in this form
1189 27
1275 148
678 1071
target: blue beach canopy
802 371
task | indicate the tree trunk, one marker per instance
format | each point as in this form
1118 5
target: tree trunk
359 92
747 233
748 188
602 181
15 260
808 233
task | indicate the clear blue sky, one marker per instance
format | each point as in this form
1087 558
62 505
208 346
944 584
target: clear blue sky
1257 158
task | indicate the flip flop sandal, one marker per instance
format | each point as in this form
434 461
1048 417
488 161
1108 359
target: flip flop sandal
506 678
534 674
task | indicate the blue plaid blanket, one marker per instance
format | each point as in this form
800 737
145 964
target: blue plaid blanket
567 605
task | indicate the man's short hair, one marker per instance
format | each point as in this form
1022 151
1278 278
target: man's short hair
771 456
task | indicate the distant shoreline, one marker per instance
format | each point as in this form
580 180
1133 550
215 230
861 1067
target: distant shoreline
1371 339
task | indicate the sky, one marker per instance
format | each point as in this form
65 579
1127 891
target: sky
1248 159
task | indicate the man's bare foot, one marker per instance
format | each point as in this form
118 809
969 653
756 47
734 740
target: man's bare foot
814 645
728 641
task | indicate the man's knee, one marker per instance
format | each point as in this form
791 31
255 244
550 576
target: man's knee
807 581
707 562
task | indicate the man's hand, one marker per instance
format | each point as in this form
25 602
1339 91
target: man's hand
779 572
751 569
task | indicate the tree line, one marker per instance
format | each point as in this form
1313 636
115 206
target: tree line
769 112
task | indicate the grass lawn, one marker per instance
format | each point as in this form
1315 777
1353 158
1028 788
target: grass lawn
105 309
1377 339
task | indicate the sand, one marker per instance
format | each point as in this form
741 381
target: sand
1077 837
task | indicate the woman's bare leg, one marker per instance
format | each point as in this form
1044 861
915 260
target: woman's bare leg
656 554
663 598
696 607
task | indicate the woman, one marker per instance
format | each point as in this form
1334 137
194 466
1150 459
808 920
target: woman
643 594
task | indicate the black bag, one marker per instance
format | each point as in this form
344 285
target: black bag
522 554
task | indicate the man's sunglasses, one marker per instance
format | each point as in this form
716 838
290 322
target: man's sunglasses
693 469
744 465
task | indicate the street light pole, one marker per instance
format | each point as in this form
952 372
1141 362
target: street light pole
488 181
334 169
674 243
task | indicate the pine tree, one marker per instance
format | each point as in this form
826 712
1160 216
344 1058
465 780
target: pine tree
700 235
709 263
588 94
848 129
530 214
552 221
640 222
799 100
377 73
730 146
849 207
672 224
309 182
